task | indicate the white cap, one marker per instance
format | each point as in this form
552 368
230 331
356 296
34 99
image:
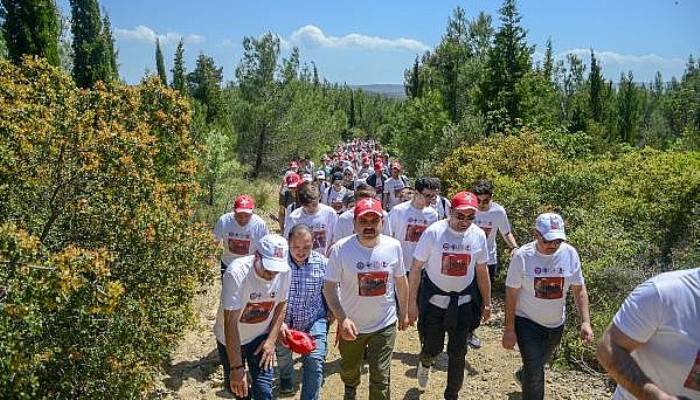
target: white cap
550 226
307 177
274 250
321 174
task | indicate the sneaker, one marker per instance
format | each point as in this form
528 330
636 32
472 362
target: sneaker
350 393
423 375
286 388
518 374
474 342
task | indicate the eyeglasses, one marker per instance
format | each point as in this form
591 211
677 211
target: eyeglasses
556 242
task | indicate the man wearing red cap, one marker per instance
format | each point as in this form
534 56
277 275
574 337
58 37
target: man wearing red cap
239 230
449 290
377 179
288 197
393 186
539 277
369 268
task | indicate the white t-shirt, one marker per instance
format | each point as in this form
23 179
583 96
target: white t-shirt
334 198
664 314
543 282
442 206
346 227
450 258
239 240
495 219
321 223
367 280
256 297
394 187
407 224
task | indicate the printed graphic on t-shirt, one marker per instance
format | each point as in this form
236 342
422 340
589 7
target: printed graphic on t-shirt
693 380
413 232
255 313
239 247
372 283
455 264
549 287
319 239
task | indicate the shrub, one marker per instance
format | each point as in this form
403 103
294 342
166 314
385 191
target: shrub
100 255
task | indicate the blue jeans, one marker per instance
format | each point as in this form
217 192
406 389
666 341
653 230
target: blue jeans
312 364
537 344
260 379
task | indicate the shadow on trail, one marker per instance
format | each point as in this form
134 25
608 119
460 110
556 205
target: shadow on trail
199 370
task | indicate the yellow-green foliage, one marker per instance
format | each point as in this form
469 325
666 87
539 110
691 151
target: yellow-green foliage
630 215
99 256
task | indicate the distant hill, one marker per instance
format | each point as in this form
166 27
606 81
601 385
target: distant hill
388 89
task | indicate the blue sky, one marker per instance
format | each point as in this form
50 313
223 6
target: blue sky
364 41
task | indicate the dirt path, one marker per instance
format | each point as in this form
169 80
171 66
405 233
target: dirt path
195 373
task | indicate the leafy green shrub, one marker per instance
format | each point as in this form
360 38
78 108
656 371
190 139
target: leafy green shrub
99 253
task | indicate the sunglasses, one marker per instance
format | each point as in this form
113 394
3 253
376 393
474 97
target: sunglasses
465 217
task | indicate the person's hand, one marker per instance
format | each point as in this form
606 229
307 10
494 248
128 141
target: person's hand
239 382
509 339
485 313
348 330
403 320
284 332
267 354
412 312
586 332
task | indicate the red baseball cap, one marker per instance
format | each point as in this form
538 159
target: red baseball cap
464 201
292 180
378 165
244 204
299 342
368 205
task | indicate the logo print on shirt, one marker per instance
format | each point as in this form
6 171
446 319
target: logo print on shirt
414 232
455 264
360 265
370 284
692 382
549 288
255 313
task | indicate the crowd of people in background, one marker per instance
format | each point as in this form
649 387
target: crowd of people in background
365 247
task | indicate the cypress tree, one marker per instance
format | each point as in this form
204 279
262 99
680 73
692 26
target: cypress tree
160 64
548 64
92 59
596 82
179 80
111 51
31 27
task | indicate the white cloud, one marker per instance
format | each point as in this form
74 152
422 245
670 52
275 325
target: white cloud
145 34
313 36
610 57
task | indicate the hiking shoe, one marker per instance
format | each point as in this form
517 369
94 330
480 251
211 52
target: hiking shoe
350 393
518 375
474 342
423 375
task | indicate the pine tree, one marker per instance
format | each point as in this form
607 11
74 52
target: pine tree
548 64
31 27
412 80
111 51
628 109
160 64
596 83
509 62
91 54
205 86
179 74
351 111
315 78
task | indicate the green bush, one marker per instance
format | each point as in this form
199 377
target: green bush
631 214
99 254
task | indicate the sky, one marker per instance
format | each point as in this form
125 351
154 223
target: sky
374 41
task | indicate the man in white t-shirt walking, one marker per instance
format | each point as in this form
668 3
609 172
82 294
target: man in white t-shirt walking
319 217
239 231
449 290
333 196
369 268
393 187
409 219
652 347
254 298
539 276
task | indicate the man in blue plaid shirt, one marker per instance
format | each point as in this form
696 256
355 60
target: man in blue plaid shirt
307 312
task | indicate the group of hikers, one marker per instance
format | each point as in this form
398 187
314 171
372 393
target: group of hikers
364 247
